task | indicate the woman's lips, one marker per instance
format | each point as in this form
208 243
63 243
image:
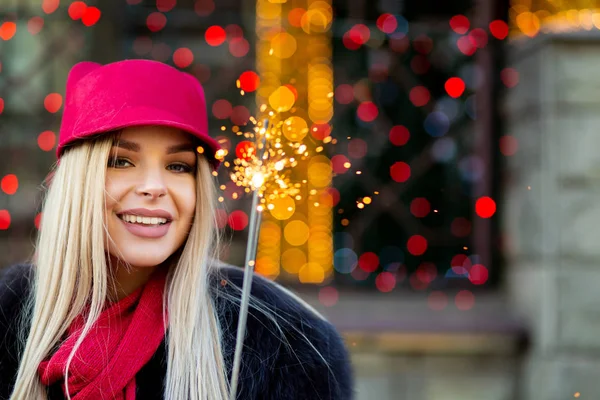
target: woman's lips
152 232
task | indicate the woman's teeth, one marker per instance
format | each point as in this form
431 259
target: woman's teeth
136 219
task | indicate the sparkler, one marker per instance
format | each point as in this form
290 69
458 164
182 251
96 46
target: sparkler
256 179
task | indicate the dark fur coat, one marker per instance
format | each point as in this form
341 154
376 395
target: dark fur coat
270 368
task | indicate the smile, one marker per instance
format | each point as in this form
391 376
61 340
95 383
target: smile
152 228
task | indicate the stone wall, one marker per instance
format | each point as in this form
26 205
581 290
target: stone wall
552 211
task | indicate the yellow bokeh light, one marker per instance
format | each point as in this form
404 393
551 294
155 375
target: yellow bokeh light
292 260
283 45
267 10
320 174
528 23
311 273
267 266
282 99
296 233
295 129
283 207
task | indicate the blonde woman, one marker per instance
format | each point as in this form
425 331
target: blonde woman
123 299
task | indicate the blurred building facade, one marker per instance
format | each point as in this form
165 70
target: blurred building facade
530 333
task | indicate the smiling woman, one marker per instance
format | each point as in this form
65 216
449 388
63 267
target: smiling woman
125 298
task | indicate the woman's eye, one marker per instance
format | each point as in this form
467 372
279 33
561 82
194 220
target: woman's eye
118 162
181 168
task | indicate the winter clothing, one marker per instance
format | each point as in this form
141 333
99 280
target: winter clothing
273 366
102 98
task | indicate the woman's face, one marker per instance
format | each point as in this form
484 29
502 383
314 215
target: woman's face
150 194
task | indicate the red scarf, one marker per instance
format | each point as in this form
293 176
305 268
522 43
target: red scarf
123 339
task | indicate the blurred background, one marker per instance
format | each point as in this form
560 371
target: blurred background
446 221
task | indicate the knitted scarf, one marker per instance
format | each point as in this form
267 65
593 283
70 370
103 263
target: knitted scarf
124 338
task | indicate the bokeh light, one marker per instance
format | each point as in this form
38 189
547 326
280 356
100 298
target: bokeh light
215 35
9 184
485 207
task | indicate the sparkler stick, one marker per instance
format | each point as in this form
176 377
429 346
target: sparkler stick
253 231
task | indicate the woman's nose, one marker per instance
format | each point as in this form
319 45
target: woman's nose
152 185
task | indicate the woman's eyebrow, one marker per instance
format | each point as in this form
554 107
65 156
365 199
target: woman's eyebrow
178 148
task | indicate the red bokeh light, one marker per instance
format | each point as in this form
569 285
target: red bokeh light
419 96
238 220
90 16
357 148
400 171
46 140
423 44
485 207
328 296
239 47
4 220
416 245
426 272
165 5
215 35
465 300
183 57
455 87
399 42
293 90
399 135
478 275
499 29
37 221
344 93
9 184
76 10
245 150
478 38
330 197
385 282
53 102
437 300
460 264
420 207
249 81
460 24
337 163
416 283
359 34
420 64
320 131
508 145
8 30
204 7
295 17
368 262
465 46
510 77
49 6
387 23
240 115
1 105
221 109
156 21
367 111
460 227
233 31
349 43
35 25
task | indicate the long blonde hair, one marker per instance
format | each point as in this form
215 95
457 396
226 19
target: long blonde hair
71 271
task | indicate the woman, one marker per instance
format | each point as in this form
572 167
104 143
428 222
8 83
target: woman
123 299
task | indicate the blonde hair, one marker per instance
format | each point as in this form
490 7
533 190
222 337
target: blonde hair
71 271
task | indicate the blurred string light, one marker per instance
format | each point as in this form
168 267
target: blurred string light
293 86
528 18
